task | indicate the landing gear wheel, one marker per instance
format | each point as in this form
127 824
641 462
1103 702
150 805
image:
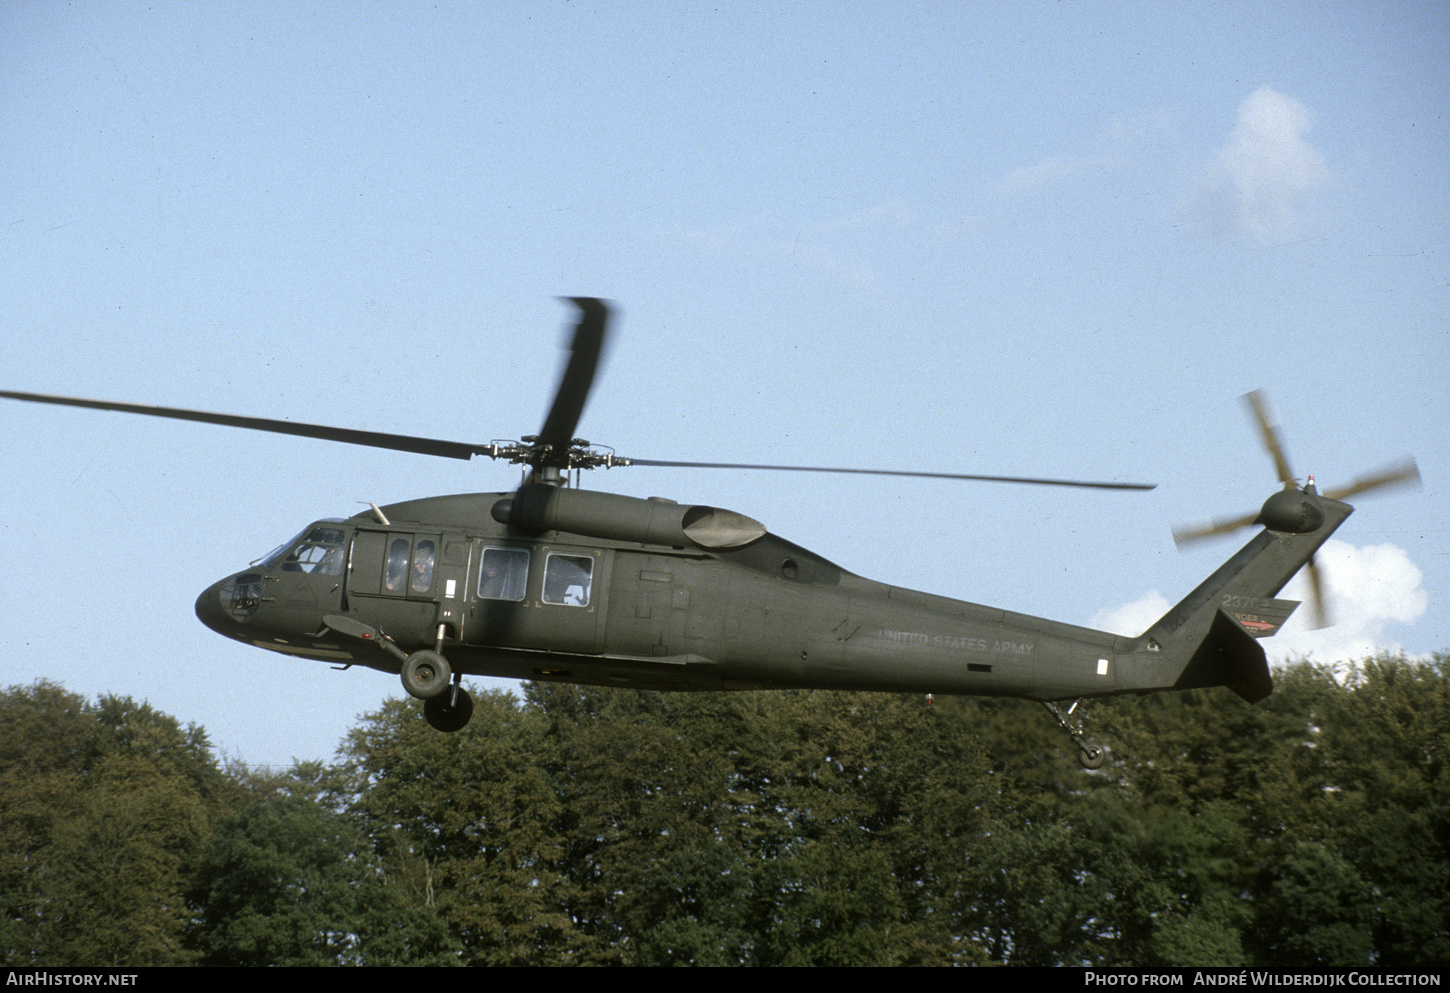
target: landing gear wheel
1091 755
449 711
426 674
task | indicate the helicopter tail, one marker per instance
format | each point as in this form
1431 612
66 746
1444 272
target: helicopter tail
1211 637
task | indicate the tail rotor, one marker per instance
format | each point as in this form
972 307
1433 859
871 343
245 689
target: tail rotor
1295 509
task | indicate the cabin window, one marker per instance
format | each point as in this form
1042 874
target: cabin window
423 561
567 578
320 553
504 574
397 572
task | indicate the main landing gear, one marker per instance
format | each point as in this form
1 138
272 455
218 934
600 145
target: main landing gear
427 676
450 710
1090 755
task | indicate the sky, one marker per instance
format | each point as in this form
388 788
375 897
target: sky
1041 239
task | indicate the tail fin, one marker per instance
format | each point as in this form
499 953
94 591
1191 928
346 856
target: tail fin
1210 638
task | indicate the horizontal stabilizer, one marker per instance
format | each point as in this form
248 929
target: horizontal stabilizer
1260 617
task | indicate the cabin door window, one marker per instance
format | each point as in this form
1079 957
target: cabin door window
567 579
503 574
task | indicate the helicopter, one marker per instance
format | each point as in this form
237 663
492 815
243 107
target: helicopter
553 582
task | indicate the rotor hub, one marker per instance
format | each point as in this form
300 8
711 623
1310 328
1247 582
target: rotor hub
1292 511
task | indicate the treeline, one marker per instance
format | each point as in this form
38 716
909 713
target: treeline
613 827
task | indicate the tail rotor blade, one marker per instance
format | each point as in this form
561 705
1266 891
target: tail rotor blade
1188 535
1268 425
1322 616
1407 473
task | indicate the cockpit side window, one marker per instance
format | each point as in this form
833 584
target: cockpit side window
320 553
567 579
504 574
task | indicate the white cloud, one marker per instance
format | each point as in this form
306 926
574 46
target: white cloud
1132 619
1268 165
1116 143
1366 588
1039 174
1051 171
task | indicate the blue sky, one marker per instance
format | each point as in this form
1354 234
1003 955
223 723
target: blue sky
1022 239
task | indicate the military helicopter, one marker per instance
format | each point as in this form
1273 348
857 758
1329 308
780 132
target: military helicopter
552 582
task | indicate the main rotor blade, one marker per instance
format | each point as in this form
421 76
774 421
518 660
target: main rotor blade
372 439
1258 402
558 430
893 472
1406 473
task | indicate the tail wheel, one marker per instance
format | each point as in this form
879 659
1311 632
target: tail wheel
449 711
1091 755
426 674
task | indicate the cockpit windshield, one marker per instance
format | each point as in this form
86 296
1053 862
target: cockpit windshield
317 549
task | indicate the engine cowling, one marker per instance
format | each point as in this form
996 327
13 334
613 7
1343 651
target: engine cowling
537 508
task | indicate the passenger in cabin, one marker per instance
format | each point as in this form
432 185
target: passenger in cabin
423 567
490 583
397 572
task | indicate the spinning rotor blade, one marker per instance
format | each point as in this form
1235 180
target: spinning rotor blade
1258 402
558 430
1322 617
1187 535
372 439
1407 473
554 448
568 405
893 472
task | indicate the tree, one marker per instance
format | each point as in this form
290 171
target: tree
287 882
110 807
470 818
49 740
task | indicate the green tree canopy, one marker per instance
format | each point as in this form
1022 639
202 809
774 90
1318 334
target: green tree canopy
288 882
583 825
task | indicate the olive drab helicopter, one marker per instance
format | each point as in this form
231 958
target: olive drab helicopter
551 582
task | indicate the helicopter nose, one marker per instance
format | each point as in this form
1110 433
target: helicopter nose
210 612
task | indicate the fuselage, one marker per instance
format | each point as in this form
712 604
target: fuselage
679 609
